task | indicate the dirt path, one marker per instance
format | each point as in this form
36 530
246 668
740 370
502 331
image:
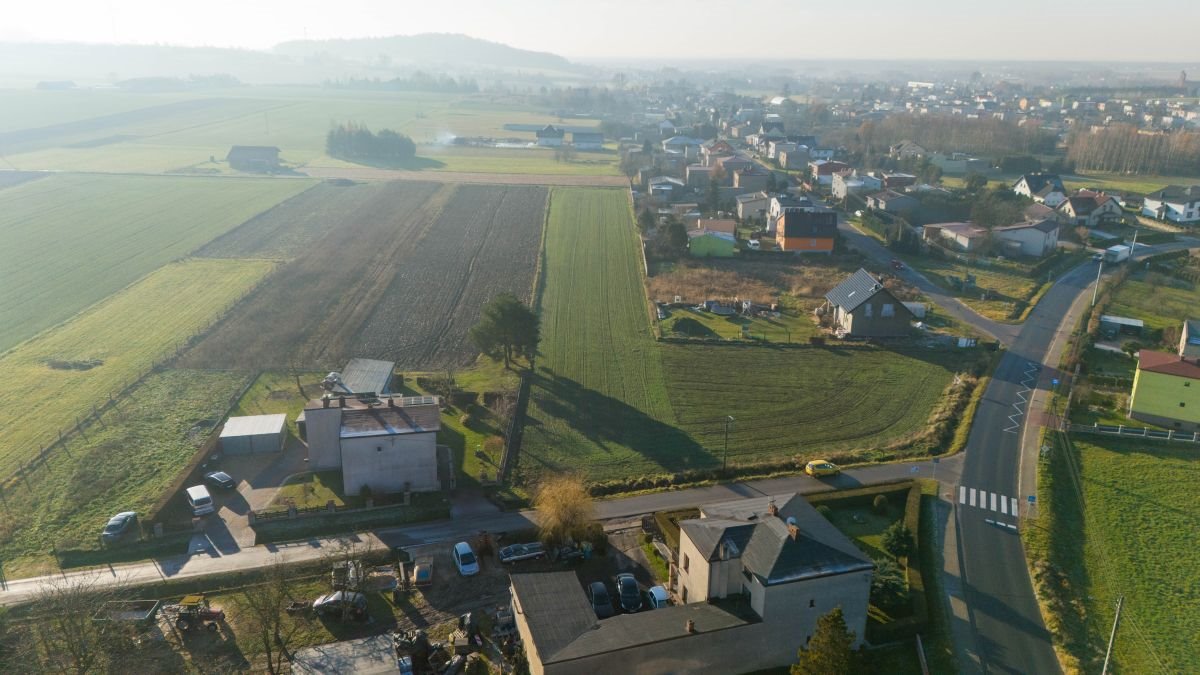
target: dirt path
369 174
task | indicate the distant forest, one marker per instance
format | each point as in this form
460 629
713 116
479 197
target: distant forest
418 81
950 133
354 141
1122 148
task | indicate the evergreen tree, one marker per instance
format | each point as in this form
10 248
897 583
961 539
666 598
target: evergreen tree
507 328
830 651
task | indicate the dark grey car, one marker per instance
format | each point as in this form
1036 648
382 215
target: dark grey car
601 603
118 526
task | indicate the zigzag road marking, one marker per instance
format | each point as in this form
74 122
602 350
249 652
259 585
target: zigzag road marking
1027 382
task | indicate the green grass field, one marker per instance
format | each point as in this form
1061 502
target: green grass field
1158 306
73 240
124 462
1133 534
60 375
612 403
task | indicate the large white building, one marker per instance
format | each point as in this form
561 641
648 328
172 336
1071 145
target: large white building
388 443
1175 203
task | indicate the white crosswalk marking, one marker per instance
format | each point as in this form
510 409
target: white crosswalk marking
1014 506
972 496
993 501
1004 505
962 494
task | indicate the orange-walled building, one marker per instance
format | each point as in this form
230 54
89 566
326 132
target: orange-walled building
807 230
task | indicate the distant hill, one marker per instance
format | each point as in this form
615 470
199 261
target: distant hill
426 48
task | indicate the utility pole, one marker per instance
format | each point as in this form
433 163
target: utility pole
1113 636
1097 288
1133 246
725 457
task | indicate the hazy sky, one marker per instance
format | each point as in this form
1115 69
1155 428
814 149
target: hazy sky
1108 30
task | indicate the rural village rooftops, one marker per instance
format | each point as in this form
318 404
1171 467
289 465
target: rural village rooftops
726 225
968 230
383 417
710 534
564 627
854 291
1166 363
1177 193
1044 225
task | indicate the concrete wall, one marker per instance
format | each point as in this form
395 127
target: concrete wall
793 608
386 463
323 426
1033 241
531 653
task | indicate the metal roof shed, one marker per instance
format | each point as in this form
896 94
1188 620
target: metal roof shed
363 376
254 434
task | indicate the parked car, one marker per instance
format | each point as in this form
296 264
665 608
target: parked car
118 526
628 593
465 560
220 479
897 264
518 552
1098 257
601 603
821 467
657 598
422 573
200 500
339 604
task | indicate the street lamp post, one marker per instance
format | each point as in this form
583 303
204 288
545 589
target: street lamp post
725 456
1097 288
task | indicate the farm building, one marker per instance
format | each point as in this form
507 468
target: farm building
587 140
711 244
1112 326
259 158
550 136
389 444
753 580
362 376
862 307
1166 391
254 434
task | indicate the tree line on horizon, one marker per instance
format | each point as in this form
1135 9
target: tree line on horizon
355 141
1122 148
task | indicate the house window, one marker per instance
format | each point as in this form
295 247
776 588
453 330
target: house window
888 310
685 562
812 603
683 595
869 311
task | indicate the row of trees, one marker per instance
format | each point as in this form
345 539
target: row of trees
418 81
355 141
1123 149
948 133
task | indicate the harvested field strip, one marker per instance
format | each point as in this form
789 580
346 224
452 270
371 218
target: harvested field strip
72 240
599 395
123 462
311 310
484 242
59 376
809 401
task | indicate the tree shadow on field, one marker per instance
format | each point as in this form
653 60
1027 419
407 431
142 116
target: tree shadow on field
606 421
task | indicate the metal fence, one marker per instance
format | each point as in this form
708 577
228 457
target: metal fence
1136 432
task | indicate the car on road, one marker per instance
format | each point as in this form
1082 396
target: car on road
601 603
465 560
342 604
628 593
897 264
1098 257
220 479
118 526
821 467
518 552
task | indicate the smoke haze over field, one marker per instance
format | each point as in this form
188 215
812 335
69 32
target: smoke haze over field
1101 30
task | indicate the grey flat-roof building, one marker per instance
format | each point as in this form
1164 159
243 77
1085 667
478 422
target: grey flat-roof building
254 434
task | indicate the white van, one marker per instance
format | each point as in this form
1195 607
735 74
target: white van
200 501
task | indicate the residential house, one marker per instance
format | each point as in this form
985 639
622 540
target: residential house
726 225
795 158
753 205
1166 390
683 145
732 164
776 147
906 150
1174 203
823 170
753 578
851 182
713 149
890 201
1189 340
820 153
699 176
963 236
361 376
806 230
256 158
587 140
1032 238
550 136
389 444
1030 184
750 178
704 243
1035 212
665 187
894 180
862 307
1090 209
781 203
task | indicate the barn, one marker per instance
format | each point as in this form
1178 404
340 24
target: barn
254 434
255 158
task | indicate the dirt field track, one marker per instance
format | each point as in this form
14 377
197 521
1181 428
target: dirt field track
355 173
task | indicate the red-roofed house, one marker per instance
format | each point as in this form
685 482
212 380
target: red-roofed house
1090 209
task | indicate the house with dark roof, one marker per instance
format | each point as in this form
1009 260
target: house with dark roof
1090 209
806 229
1030 184
387 443
1166 390
550 136
752 577
1176 203
587 140
1035 238
862 307
256 158
891 201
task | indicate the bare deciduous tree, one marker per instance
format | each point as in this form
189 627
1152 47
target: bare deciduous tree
266 616
66 637
564 509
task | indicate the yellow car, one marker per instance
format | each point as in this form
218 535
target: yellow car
821 467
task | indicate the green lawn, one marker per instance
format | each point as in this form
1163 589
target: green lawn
63 374
72 240
1158 306
274 393
692 323
1132 533
311 489
1115 182
122 463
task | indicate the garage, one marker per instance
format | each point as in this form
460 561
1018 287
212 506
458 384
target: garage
255 434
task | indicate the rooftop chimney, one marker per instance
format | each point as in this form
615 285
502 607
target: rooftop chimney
341 401
691 626
772 509
324 401
793 532
391 402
